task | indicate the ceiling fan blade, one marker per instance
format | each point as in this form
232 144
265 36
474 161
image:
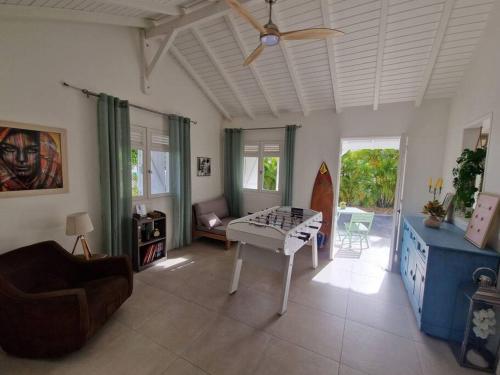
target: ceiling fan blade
314 33
254 55
238 8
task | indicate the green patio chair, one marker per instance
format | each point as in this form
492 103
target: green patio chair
359 226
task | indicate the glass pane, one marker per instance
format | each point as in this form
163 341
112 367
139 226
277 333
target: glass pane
160 179
250 172
137 159
271 173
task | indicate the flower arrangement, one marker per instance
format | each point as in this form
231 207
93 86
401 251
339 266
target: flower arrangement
484 323
434 208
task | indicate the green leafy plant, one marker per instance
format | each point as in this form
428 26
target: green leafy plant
434 208
271 165
368 177
470 164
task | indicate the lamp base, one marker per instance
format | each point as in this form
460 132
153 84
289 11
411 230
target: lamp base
86 249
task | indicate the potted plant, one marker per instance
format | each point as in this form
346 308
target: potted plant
436 214
470 164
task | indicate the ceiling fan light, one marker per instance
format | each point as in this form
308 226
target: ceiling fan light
270 40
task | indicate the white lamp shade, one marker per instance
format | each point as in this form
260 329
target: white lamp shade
78 224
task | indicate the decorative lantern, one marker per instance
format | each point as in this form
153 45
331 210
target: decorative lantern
482 335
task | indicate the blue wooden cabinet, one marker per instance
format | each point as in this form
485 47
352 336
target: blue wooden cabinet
436 264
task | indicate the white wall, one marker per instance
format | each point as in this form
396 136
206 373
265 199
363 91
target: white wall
36 56
319 140
479 94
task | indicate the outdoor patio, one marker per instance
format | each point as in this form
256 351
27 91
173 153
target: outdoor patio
379 238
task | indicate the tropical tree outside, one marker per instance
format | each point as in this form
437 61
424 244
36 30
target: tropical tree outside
368 178
271 173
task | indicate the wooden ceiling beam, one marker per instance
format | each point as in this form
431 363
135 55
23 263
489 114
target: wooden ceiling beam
146 5
195 77
331 57
244 51
291 67
229 82
384 13
67 15
436 47
193 19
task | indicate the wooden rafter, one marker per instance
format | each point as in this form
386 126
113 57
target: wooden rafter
331 57
229 82
195 77
384 13
438 40
193 19
244 51
32 12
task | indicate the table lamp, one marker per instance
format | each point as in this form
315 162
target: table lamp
79 224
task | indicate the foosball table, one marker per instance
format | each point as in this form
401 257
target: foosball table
275 234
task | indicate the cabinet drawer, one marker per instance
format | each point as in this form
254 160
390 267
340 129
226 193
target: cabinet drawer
418 245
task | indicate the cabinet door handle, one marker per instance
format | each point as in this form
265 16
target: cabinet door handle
423 279
414 277
411 272
419 310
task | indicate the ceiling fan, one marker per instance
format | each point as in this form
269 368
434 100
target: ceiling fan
270 34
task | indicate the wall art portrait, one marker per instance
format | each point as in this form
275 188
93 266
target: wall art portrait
204 166
33 160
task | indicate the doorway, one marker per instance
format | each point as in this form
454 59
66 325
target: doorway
368 202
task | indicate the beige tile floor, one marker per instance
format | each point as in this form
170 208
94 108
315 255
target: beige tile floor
348 317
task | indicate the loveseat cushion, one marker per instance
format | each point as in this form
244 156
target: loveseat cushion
218 206
221 229
104 297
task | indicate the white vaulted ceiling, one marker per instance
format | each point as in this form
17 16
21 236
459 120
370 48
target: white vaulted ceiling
392 50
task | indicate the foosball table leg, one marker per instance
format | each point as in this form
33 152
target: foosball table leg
287 275
314 251
238 262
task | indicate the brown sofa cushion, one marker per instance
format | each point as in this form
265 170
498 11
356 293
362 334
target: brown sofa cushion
218 206
104 297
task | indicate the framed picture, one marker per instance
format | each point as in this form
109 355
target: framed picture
140 209
204 166
480 223
33 160
447 201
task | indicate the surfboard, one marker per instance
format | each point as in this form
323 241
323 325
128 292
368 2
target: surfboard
322 199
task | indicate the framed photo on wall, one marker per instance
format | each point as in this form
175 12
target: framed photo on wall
204 166
33 160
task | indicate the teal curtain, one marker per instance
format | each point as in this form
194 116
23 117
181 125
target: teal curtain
289 155
113 124
233 170
180 178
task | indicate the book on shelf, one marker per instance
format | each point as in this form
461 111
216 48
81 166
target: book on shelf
152 252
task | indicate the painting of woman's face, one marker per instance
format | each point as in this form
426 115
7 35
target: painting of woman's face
21 153
31 158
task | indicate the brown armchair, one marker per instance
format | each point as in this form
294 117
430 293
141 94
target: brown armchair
51 302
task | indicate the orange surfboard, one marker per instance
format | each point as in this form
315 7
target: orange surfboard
322 199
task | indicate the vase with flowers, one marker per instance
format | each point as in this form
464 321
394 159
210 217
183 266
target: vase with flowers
434 209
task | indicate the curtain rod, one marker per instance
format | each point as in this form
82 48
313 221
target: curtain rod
270 128
91 93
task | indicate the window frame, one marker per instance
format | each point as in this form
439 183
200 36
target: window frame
157 147
147 145
261 154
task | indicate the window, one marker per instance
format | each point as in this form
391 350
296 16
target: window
261 166
149 148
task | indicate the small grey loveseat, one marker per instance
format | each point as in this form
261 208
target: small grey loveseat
217 206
